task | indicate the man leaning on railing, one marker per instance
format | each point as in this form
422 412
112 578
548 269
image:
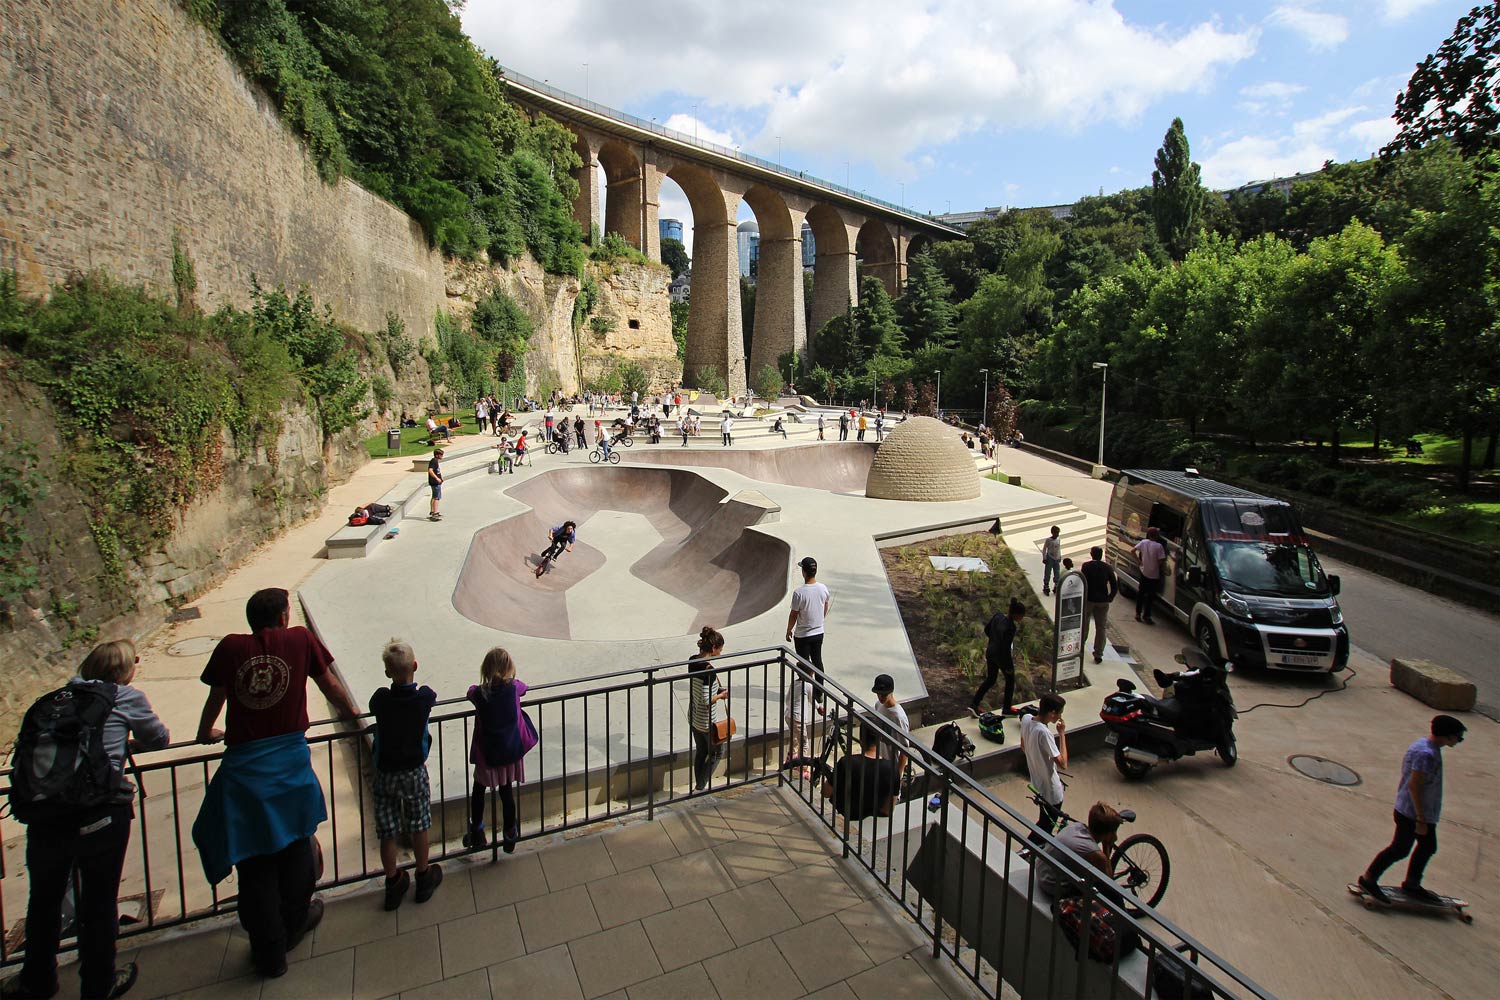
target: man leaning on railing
264 803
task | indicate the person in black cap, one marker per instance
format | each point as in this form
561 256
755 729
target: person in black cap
887 705
804 626
1419 803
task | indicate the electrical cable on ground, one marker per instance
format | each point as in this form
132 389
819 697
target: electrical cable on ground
1349 676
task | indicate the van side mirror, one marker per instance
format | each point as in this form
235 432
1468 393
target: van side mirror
1333 584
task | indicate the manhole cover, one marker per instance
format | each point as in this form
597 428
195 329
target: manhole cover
198 645
1323 769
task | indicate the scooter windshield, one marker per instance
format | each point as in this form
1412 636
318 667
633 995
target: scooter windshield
1275 569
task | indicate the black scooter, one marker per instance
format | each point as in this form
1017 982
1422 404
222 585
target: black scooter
1197 714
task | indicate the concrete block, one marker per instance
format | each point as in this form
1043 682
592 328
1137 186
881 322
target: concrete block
1433 684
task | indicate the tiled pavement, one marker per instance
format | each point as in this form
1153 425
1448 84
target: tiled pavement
728 897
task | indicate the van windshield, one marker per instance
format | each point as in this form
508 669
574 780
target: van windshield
1275 569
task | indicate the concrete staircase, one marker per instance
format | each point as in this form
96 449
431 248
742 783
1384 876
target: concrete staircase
1025 530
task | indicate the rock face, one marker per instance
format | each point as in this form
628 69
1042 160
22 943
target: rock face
1434 685
922 460
634 302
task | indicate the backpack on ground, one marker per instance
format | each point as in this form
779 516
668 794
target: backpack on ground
61 767
1109 933
950 743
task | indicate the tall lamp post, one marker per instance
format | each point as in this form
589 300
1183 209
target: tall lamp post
1103 396
938 403
984 412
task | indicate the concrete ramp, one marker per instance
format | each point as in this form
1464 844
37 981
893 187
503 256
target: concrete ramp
836 466
701 558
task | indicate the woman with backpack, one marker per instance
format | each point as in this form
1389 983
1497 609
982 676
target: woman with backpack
80 824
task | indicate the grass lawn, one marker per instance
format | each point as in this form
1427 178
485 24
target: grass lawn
944 613
1478 523
414 439
1437 449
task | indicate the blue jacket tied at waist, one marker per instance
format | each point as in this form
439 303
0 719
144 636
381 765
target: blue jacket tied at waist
263 797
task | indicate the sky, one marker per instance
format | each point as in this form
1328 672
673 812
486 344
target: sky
954 105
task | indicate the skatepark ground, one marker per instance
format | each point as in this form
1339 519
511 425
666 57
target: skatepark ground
1260 853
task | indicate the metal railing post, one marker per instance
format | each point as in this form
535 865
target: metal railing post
941 875
650 742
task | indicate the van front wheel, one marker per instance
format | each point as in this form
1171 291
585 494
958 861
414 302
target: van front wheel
1207 642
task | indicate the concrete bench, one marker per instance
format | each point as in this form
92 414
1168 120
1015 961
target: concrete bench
356 541
1434 685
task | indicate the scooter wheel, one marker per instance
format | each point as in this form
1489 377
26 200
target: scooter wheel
1228 752
1132 769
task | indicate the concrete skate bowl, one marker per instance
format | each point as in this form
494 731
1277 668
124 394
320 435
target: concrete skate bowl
660 553
839 467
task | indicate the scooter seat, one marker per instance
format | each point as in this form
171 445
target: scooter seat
1167 710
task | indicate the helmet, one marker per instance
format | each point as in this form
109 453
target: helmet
991 727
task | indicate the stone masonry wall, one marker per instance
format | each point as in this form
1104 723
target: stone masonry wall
123 121
633 295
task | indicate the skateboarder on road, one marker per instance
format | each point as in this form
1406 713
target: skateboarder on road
1419 804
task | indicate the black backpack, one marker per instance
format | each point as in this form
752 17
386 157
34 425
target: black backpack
61 768
950 743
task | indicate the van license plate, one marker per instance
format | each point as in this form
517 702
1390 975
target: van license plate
1112 738
1299 659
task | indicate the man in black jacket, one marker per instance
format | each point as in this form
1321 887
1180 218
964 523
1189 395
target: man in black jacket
1101 587
999 657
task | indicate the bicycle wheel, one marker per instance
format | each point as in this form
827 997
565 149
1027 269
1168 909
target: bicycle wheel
629 441
614 458
594 456
1142 867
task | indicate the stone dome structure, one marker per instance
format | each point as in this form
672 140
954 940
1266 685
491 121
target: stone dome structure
922 460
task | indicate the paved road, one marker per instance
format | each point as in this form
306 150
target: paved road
1385 618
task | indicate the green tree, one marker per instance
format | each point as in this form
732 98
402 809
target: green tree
1453 92
768 382
926 305
675 256
1176 192
502 329
633 378
679 312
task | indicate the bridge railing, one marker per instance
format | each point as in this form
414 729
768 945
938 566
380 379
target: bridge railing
948 853
603 110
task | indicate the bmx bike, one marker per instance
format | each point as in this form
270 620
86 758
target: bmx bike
1141 865
597 455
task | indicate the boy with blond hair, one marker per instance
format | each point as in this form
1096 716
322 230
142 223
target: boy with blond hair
403 795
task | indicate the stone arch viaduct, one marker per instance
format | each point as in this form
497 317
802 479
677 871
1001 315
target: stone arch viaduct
854 234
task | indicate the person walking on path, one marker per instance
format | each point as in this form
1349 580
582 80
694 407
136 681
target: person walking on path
401 790
879 426
805 622
503 735
843 426
435 483
89 839
583 442
1045 756
863 422
1419 806
822 422
1052 561
704 709
1100 587
1149 556
726 429
999 657
264 803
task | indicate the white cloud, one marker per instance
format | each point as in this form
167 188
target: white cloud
873 87
688 125
1319 29
1396 10
1270 97
1338 134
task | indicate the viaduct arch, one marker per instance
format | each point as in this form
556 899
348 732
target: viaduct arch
855 234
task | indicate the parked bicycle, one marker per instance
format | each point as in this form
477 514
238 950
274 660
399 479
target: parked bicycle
1140 861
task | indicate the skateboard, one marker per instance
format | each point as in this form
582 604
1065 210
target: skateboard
1401 901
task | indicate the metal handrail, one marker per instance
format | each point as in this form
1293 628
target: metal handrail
541 88
970 818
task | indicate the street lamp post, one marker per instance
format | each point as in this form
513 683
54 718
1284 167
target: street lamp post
984 411
1103 396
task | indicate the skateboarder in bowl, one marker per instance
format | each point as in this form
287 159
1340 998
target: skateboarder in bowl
561 539
1419 803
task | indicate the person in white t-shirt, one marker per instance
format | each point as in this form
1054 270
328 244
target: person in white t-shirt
1044 756
887 705
726 430
804 626
799 710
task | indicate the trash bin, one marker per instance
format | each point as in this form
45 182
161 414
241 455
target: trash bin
393 439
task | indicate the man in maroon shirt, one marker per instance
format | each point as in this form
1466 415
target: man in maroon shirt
262 677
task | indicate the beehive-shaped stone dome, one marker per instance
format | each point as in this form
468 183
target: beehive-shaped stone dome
922 460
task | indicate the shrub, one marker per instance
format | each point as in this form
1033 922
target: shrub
632 378
709 380
601 325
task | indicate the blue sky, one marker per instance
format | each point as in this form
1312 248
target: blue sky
974 103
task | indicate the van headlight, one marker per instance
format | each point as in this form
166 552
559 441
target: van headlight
1337 614
1235 606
